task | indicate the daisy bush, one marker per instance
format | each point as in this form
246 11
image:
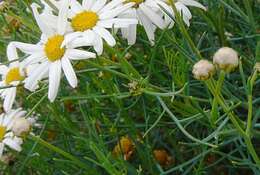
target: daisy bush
129 87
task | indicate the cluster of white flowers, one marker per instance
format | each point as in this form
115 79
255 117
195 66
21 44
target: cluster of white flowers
68 26
13 126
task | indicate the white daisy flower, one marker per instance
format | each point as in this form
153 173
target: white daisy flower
52 54
7 137
92 18
149 15
181 6
155 13
12 76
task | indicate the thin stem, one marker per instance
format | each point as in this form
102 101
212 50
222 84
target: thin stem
59 151
250 104
226 109
164 106
185 32
245 135
250 14
251 150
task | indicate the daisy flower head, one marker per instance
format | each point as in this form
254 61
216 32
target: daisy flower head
149 15
7 136
12 76
181 6
93 18
51 52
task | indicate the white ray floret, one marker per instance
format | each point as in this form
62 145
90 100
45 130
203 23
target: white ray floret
182 8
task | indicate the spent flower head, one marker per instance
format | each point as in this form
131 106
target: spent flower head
226 59
203 70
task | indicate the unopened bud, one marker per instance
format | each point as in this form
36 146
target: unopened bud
203 70
226 59
21 126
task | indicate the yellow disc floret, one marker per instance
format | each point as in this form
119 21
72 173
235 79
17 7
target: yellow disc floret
53 48
2 132
13 75
84 21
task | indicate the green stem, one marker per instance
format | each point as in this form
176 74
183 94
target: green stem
245 135
250 104
185 32
214 111
231 116
252 151
250 14
59 151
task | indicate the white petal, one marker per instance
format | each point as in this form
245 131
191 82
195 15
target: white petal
192 3
117 22
98 44
35 76
9 99
106 35
9 117
11 52
131 34
29 48
87 39
76 54
3 69
98 5
43 27
2 145
54 80
114 12
62 19
70 37
32 59
69 72
148 26
76 7
153 16
111 5
87 4
14 144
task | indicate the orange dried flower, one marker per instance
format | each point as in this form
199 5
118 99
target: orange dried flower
125 147
162 157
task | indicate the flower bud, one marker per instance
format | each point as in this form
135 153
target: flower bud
203 70
21 126
226 59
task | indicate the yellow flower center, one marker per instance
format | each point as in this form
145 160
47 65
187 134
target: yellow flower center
84 21
53 48
13 75
2 132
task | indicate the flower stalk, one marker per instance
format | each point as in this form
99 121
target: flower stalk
59 151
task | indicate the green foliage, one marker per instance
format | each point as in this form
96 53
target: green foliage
149 94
